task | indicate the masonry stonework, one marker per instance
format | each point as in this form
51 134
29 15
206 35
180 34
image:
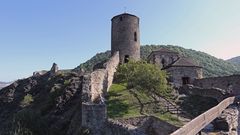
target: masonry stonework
176 74
126 37
94 117
97 83
163 57
125 45
181 70
94 88
229 83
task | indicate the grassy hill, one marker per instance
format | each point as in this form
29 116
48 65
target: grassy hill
98 58
212 65
122 104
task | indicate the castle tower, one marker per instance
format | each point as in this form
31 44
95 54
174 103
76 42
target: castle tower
126 37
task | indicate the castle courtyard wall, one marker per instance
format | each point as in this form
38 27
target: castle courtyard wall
229 83
94 88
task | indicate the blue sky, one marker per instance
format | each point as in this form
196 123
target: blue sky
34 34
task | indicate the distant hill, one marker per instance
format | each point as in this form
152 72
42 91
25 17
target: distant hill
212 65
235 60
98 58
3 84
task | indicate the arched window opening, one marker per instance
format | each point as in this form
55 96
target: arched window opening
121 18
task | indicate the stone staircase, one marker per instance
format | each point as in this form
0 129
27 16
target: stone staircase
174 109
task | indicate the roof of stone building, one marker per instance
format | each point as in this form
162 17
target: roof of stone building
162 50
185 62
127 14
165 50
181 62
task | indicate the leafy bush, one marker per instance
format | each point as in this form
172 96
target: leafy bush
27 100
144 77
66 82
28 122
98 58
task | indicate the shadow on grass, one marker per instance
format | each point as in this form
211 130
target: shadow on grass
117 108
196 105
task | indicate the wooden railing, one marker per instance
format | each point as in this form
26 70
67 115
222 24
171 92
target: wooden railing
197 124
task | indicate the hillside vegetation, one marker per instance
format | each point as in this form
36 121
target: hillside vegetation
122 104
212 65
98 58
235 60
41 105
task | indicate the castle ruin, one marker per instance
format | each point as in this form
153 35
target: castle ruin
181 70
126 37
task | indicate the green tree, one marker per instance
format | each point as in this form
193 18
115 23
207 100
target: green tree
145 78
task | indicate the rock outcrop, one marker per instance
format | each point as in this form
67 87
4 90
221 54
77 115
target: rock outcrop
227 122
42 105
69 103
54 69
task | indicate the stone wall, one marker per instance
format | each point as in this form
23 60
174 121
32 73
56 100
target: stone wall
94 117
94 88
215 93
177 74
145 125
111 67
97 83
117 128
160 58
126 36
228 83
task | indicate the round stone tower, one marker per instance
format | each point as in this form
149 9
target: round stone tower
126 37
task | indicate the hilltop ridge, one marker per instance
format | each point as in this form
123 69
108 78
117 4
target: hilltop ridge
4 84
212 66
235 60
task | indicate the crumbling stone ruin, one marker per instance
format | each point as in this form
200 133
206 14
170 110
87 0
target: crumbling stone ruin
94 88
181 70
184 73
126 37
228 83
82 103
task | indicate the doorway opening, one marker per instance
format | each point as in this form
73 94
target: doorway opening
185 80
126 58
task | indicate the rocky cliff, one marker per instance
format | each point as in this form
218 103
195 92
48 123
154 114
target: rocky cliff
46 104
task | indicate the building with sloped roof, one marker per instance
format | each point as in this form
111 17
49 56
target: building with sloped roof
125 39
181 70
